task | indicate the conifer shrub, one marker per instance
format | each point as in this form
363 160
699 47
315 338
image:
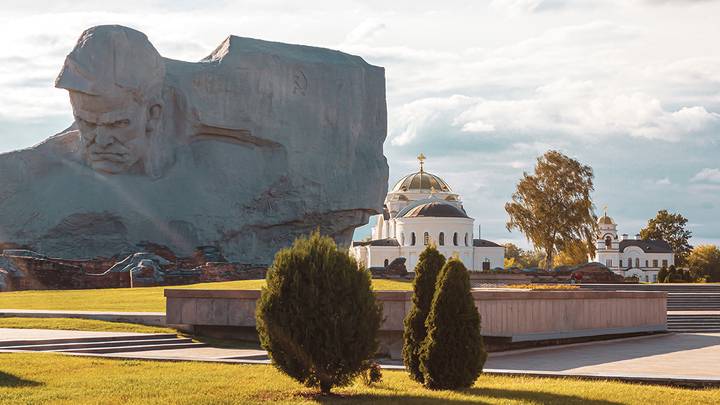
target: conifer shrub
317 315
452 355
662 275
426 271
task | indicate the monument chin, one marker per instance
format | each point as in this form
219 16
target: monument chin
245 150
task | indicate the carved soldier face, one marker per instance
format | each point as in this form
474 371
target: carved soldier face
115 131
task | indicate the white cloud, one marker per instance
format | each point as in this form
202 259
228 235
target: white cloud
707 175
663 182
366 31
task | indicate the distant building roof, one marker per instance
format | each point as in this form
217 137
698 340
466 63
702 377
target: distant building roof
377 242
647 245
484 243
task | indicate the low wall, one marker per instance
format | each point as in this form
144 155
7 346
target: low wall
516 316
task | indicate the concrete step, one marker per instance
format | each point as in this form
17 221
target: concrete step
84 345
88 339
137 348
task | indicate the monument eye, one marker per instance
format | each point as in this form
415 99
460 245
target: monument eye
121 123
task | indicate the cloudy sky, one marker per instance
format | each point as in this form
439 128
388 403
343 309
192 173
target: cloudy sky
630 87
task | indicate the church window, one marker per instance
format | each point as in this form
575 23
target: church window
466 239
665 263
412 239
637 262
441 239
387 262
629 263
455 239
486 264
655 263
608 242
608 262
402 239
620 262
647 263
426 239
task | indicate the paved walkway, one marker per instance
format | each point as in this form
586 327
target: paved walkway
682 358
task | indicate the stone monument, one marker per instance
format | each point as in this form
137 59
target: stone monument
244 150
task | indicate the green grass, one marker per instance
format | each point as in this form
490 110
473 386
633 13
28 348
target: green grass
79 324
142 299
52 378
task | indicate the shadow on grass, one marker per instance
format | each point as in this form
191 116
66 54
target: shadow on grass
9 380
476 396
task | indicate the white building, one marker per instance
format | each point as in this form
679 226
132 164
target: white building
642 258
420 209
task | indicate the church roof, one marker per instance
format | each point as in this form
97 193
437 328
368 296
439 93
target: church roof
484 243
378 242
647 245
605 220
421 181
437 208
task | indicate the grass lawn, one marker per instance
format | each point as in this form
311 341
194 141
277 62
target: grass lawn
142 299
79 324
54 378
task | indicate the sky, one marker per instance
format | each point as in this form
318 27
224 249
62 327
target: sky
482 88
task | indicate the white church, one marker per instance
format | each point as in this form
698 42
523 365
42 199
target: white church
422 209
642 258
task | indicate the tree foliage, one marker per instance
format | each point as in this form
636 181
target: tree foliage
704 262
553 206
521 258
317 316
427 269
452 355
670 228
574 253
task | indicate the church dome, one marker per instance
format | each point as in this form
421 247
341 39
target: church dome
605 220
435 209
421 181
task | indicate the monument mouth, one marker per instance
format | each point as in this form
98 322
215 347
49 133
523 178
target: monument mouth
108 156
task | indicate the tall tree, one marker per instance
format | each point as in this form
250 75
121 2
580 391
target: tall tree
670 228
430 263
553 207
452 355
705 261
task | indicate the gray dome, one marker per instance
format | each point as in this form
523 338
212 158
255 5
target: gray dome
435 209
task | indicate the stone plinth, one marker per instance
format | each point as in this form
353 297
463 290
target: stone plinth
511 316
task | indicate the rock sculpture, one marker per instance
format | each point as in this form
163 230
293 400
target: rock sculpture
244 150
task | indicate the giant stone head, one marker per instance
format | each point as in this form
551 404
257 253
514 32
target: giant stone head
115 78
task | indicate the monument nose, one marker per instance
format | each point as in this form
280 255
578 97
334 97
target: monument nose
102 136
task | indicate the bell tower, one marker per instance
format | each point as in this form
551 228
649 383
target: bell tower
607 238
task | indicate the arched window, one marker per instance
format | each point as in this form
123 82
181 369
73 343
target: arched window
412 239
455 239
466 239
426 238
441 239
629 263
637 262
402 239
387 262
621 263
647 263
608 242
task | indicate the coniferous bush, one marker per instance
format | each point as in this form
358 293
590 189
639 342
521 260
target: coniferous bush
426 271
662 275
317 316
452 355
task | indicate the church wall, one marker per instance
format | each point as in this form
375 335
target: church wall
496 255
